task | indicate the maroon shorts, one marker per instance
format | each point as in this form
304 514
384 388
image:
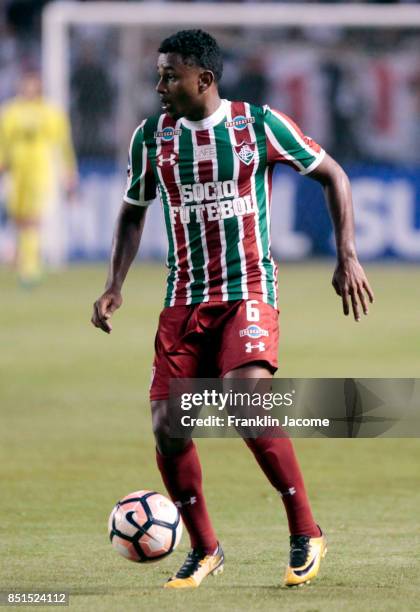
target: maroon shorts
208 340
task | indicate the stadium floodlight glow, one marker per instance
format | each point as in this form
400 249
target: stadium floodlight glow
58 17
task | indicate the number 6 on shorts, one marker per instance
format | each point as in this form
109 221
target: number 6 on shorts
252 312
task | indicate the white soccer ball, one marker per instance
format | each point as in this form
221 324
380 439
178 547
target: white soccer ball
145 526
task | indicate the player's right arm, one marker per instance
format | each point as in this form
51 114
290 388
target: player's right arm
139 193
125 245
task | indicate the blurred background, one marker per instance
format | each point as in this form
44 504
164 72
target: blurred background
354 90
75 431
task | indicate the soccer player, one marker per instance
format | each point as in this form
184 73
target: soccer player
34 142
212 161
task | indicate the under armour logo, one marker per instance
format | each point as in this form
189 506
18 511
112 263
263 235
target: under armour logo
290 491
249 347
170 160
192 500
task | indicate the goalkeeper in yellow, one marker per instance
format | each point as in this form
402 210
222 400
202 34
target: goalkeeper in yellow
35 150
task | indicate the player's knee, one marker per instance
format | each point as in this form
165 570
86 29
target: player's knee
160 418
162 430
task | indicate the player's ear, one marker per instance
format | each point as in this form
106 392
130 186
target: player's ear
205 81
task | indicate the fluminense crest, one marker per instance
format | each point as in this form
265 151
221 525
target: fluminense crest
245 151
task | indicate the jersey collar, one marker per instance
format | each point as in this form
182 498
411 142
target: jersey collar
207 122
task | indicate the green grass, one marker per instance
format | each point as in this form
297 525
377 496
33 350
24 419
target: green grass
75 436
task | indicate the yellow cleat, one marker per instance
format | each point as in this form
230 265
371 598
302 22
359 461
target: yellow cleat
305 558
196 567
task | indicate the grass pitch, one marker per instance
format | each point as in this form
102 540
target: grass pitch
75 436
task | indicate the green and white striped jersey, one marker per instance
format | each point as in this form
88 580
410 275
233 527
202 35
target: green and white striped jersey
214 178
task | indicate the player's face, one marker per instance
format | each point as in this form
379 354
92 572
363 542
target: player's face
179 86
30 86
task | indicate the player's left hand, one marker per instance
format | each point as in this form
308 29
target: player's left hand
351 284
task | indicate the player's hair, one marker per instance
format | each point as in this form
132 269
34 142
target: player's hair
196 46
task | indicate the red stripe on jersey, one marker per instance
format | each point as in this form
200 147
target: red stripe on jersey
214 245
244 184
169 180
150 184
166 161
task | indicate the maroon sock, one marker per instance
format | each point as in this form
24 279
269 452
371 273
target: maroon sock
182 477
277 459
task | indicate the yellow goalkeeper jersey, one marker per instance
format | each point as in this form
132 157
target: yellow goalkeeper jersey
32 133
35 148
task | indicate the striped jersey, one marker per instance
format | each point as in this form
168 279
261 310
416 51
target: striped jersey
214 179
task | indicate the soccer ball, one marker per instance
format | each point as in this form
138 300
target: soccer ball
144 526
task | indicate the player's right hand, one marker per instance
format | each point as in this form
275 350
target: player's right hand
104 308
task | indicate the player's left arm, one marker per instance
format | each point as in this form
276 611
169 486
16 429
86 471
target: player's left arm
349 280
287 144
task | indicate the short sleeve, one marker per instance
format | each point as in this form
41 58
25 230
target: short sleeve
141 184
288 145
